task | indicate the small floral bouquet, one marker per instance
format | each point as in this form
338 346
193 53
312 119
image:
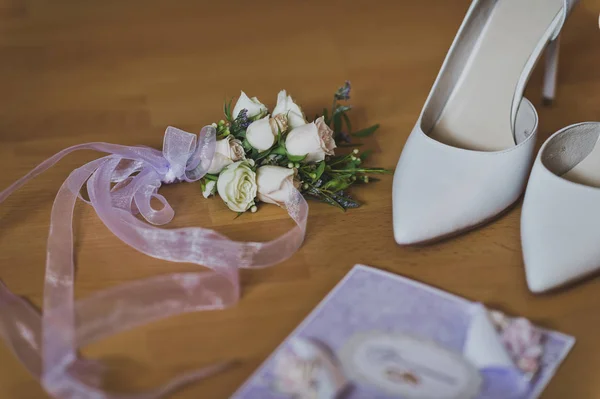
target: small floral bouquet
257 154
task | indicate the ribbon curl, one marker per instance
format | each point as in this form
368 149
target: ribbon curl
120 186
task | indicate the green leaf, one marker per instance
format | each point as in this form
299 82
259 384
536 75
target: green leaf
337 184
223 135
227 110
262 155
279 150
240 134
365 155
247 146
259 116
279 134
342 109
382 171
320 170
366 132
211 177
337 123
348 124
296 158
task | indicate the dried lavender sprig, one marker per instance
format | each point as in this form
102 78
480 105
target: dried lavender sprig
242 119
343 93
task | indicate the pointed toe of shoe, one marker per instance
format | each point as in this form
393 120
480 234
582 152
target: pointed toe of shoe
418 219
407 229
560 226
405 235
540 273
440 190
553 258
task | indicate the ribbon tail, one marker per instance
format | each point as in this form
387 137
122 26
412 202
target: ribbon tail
47 344
20 328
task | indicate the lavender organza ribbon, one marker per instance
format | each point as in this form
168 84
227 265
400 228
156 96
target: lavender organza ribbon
120 186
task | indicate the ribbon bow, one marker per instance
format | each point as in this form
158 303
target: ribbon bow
120 186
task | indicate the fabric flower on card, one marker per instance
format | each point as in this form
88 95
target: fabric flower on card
522 340
305 370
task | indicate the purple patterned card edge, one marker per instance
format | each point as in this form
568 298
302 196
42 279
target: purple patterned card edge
541 385
545 380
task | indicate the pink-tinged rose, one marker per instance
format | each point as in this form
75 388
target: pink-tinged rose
287 108
315 140
227 151
275 184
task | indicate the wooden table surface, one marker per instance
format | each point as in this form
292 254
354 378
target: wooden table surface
116 71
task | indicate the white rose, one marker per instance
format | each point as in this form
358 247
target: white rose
252 105
209 188
287 107
261 134
315 140
237 186
274 184
227 151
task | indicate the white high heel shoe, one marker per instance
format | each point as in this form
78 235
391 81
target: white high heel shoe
560 220
470 153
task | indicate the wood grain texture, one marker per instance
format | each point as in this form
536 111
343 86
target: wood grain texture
121 71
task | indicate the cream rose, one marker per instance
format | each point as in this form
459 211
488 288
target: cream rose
227 151
252 105
275 183
261 134
315 140
237 186
287 107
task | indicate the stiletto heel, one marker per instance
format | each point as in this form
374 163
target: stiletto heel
470 153
551 72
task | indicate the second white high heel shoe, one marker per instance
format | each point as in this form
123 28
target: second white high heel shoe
471 150
560 220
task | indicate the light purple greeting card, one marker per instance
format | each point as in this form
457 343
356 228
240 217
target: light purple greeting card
378 335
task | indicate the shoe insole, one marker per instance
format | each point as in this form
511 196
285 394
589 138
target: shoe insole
588 170
479 113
